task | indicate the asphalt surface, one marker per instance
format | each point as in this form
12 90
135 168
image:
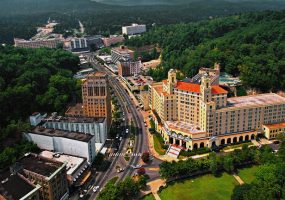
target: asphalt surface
131 114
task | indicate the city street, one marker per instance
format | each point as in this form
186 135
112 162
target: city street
128 106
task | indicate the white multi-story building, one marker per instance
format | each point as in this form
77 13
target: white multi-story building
71 143
134 29
88 125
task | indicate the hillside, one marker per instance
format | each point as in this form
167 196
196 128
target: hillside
19 18
176 2
251 46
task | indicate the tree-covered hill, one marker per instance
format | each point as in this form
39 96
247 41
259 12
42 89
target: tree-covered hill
19 18
31 80
251 46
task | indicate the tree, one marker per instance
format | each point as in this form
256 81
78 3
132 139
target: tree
228 164
145 157
142 181
141 171
281 152
240 191
213 163
128 189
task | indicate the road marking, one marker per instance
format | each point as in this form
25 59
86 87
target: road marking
124 154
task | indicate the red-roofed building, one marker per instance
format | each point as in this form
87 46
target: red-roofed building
203 114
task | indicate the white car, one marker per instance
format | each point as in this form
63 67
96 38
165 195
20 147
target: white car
127 130
136 166
94 190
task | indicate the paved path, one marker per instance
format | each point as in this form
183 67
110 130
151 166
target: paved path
154 187
155 195
239 180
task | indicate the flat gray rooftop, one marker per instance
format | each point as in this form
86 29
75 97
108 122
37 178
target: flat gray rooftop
74 119
59 133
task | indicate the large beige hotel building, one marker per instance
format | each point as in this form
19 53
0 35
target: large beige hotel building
198 113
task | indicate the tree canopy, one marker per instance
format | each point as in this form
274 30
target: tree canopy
32 80
248 45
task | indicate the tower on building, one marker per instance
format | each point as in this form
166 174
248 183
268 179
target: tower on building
171 81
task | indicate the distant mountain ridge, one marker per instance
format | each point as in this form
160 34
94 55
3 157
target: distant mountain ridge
176 2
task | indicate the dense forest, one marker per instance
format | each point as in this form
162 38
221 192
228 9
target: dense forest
32 80
19 18
251 46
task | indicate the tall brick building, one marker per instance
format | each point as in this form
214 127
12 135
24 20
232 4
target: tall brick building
96 96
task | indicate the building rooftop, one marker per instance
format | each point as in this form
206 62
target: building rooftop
184 127
274 126
73 163
139 80
122 49
59 133
192 87
259 100
158 88
76 110
97 74
14 187
55 118
39 165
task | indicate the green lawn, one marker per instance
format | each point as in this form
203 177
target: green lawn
233 146
248 174
205 187
158 143
148 197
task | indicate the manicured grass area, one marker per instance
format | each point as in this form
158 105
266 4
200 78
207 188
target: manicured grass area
112 181
158 144
206 187
237 145
248 174
148 197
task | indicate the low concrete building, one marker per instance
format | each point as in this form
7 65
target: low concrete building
121 53
96 126
137 83
134 29
48 43
47 178
271 131
113 39
75 166
76 144
36 118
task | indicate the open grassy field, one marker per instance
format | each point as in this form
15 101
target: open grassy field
248 174
205 187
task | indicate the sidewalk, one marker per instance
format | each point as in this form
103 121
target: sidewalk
239 180
155 185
